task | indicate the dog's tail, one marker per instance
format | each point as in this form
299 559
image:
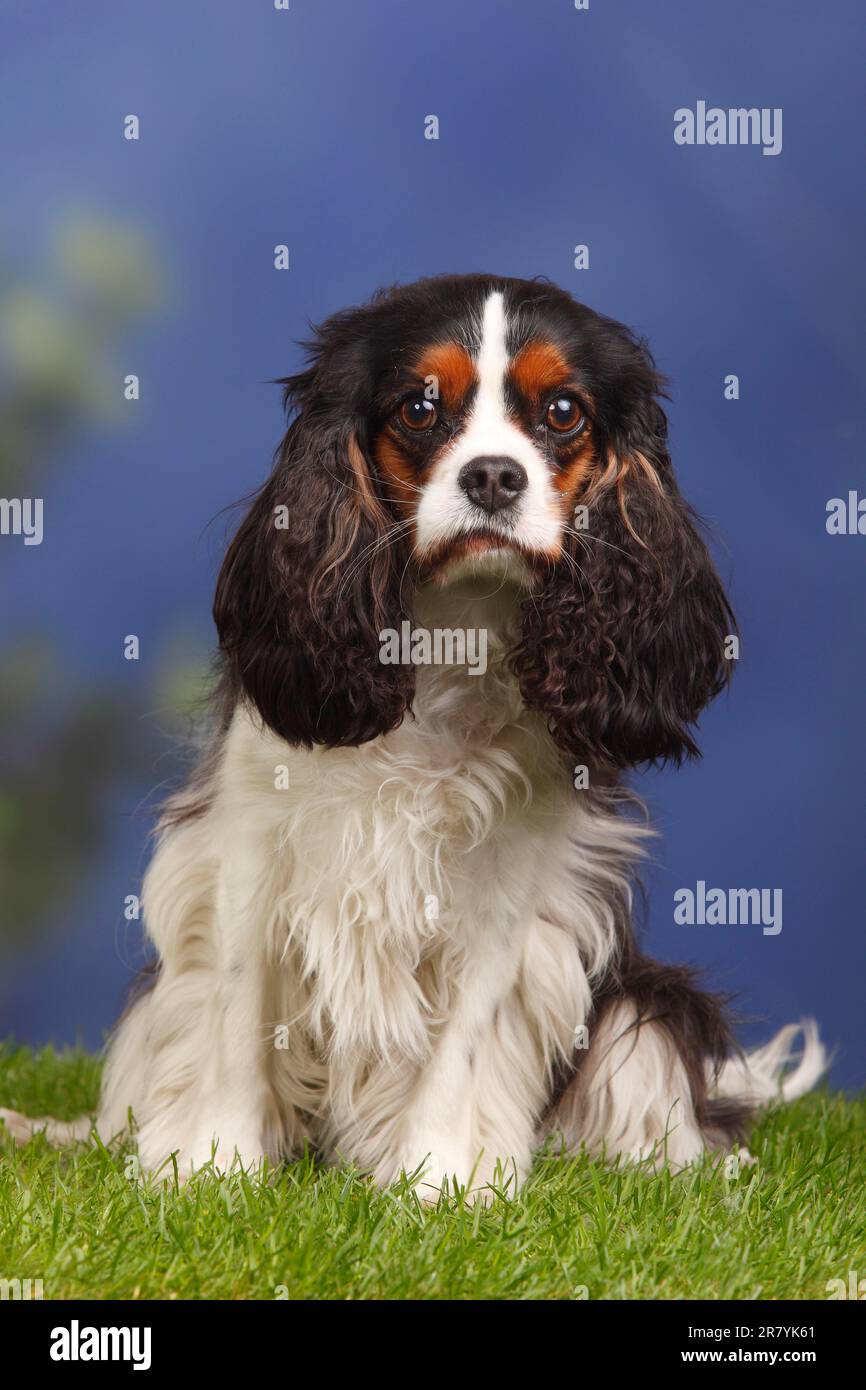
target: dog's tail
57 1132
778 1071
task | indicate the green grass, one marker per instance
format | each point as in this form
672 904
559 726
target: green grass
780 1230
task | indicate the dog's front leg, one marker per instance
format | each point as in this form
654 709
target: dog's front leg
232 1103
202 1028
444 1133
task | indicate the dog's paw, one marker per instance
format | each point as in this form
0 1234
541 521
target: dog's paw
21 1127
450 1171
200 1155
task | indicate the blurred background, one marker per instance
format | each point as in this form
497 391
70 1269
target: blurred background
305 126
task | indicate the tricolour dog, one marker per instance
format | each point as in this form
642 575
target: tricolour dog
392 912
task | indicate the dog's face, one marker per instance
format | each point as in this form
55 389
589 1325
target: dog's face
484 433
452 424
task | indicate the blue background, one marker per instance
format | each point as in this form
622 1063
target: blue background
556 127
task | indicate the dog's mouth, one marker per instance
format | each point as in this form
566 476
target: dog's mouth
481 551
466 544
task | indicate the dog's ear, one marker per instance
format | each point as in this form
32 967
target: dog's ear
625 642
309 582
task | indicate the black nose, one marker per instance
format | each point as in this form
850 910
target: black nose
492 483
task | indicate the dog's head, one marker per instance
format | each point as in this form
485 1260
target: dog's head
477 422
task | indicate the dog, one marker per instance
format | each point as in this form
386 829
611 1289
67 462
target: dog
393 910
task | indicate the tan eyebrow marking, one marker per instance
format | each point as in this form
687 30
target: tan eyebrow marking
452 369
538 368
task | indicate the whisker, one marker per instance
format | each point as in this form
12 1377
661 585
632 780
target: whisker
588 536
393 533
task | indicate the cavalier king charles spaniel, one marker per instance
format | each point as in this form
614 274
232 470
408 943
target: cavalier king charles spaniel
392 912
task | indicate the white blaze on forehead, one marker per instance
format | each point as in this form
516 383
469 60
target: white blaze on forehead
444 510
492 362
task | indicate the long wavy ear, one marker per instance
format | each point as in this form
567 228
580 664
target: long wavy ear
308 584
625 643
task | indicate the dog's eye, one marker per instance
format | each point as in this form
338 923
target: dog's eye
564 415
417 413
